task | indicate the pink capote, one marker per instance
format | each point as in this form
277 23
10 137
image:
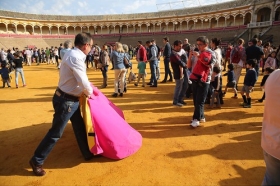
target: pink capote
114 137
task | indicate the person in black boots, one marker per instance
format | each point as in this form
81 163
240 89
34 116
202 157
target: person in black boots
166 57
267 72
249 82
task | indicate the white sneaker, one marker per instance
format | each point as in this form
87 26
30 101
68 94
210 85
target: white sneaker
201 120
195 123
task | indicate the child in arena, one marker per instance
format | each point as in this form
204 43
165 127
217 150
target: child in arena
5 75
141 73
267 72
271 61
216 87
231 82
249 82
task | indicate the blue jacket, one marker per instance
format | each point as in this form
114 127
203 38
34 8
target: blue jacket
117 58
4 73
250 77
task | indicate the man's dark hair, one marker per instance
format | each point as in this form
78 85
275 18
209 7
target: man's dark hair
203 39
177 42
153 40
216 41
140 42
230 66
148 42
252 62
269 69
166 39
82 39
216 70
254 41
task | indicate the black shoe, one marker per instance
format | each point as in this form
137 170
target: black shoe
121 94
135 84
183 103
37 169
170 80
164 81
124 90
115 95
93 156
153 86
260 100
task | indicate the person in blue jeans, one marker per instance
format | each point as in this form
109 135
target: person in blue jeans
152 59
73 82
178 61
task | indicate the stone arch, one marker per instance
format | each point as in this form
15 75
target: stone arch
62 29
263 14
248 18
92 30
45 29
190 25
29 29
54 30
20 29
11 28
277 13
239 19
3 28
213 22
78 29
198 23
158 26
146 28
37 29
221 21
118 29
84 28
229 20
71 30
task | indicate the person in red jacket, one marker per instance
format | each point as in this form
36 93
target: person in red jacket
142 53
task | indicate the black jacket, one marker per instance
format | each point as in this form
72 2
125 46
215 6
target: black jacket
167 51
176 62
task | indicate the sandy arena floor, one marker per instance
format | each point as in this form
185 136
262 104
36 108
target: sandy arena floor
224 151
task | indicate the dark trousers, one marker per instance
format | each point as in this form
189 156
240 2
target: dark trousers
167 70
64 110
200 91
153 68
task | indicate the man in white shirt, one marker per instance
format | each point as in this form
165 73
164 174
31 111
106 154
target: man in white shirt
73 82
3 55
28 54
271 130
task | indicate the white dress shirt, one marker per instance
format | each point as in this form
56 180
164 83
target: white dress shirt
73 78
